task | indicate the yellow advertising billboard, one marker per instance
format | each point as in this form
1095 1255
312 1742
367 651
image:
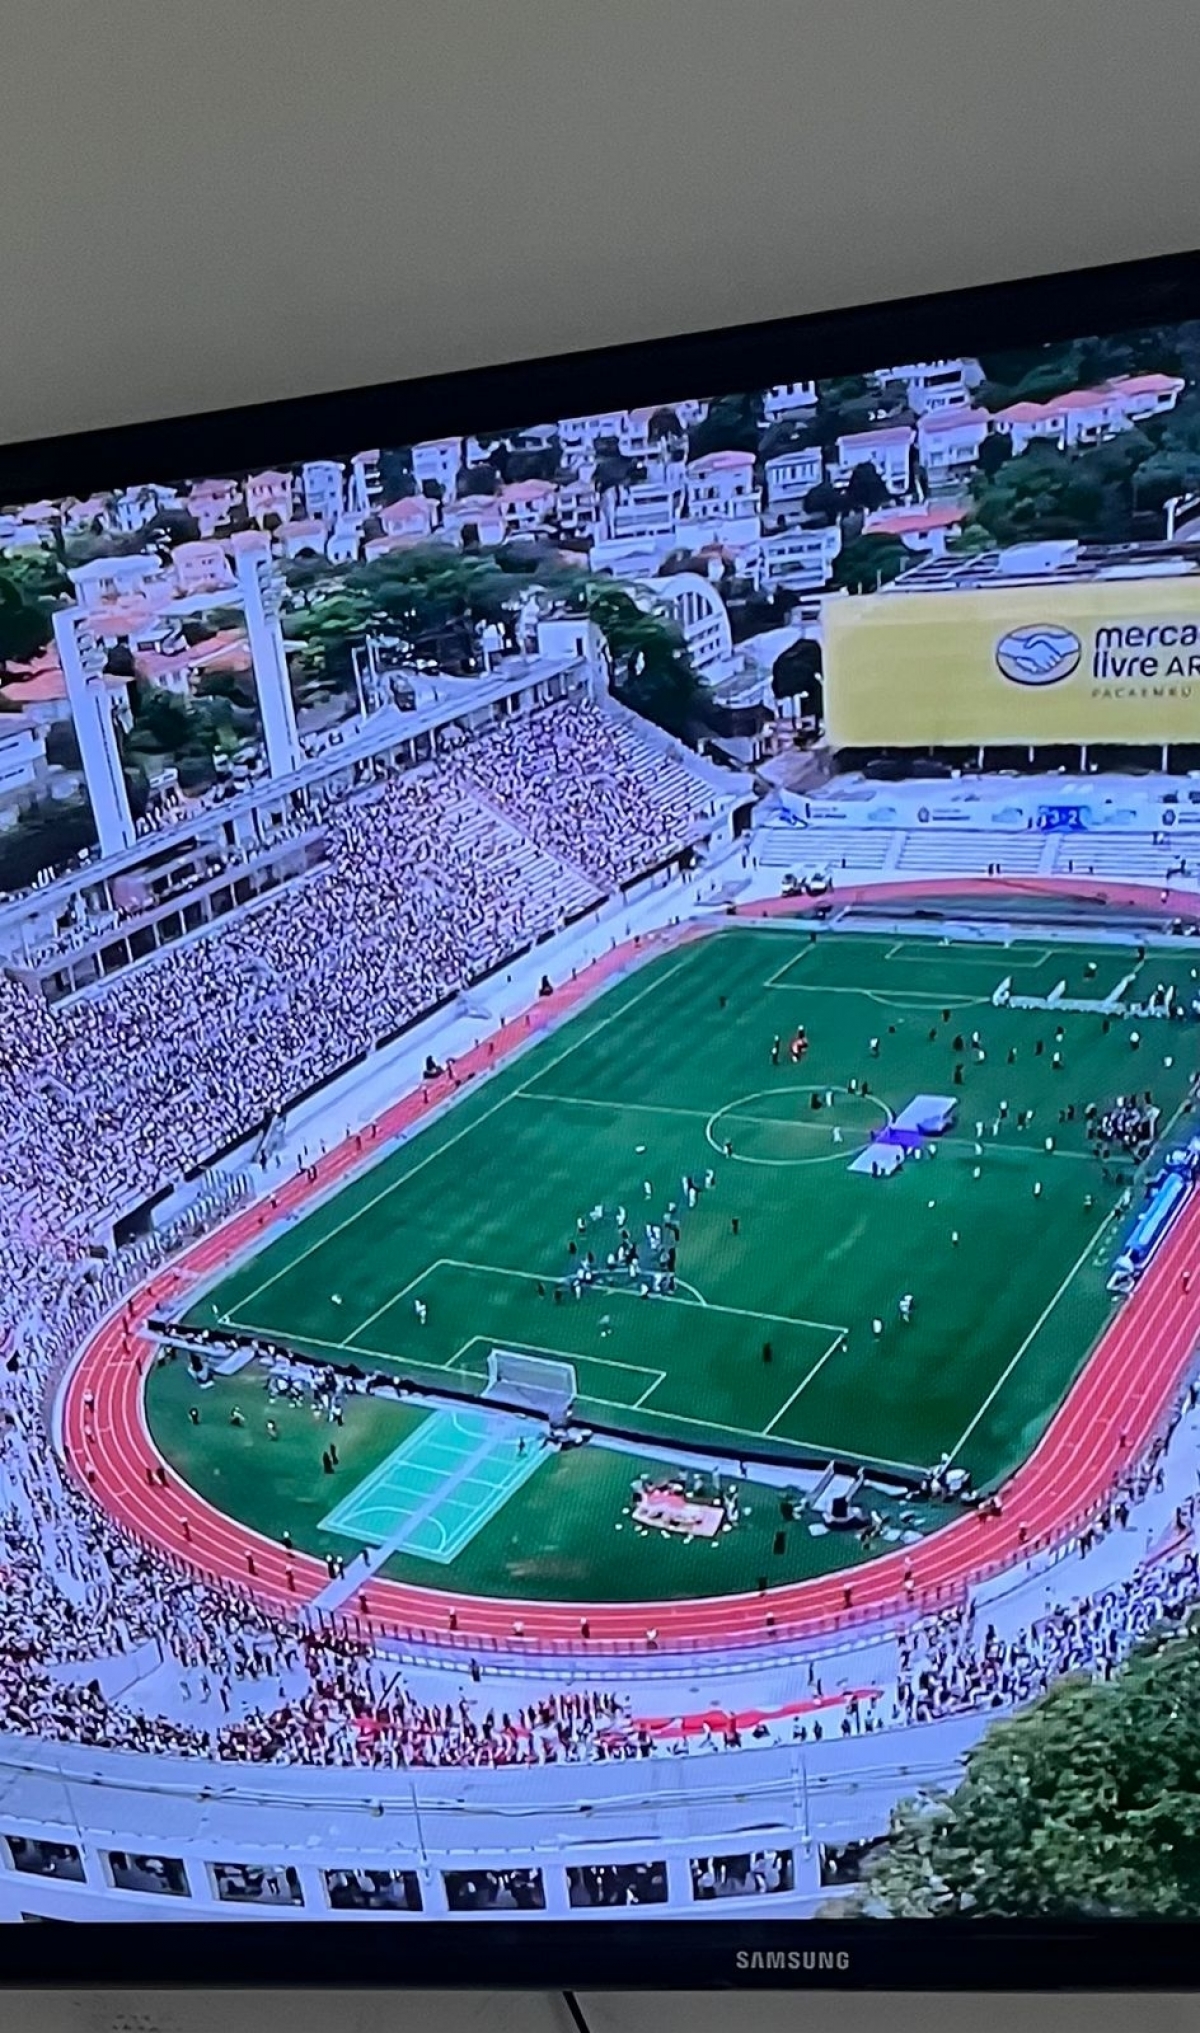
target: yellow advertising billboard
1028 663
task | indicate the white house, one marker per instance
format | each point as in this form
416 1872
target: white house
580 433
22 759
791 475
1146 395
691 411
19 532
792 559
888 449
700 614
631 557
107 580
577 509
212 502
1086 416
365 489
134 507
481 512
269 494
305 536
322 486
926 528
438 459
88 510
344 541
643 508
177 669
413 516
722 496
1081 416
635 439
789 398
527 506
948 443
932 386
202 567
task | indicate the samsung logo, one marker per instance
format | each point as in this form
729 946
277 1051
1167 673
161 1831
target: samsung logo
793 1958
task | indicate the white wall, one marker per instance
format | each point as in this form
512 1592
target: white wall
203 204
212 204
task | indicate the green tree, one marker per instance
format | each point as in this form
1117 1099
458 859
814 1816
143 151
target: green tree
651 670
733 424
613 468
867 562
478 480
866 488
1086 1807
1090 495
37 575
797 675
1040 493
1165 474
328 629
971 539
995 451
46 835
825 500
25 626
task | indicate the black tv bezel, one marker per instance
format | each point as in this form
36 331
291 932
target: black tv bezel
608 1953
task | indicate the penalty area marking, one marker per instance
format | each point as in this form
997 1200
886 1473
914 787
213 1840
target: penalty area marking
839 1341
664 1298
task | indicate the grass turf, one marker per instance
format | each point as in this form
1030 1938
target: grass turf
472 1212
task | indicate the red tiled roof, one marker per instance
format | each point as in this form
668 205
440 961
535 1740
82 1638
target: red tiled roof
1145 384
228 650
527 490
906 521
951 419
893 434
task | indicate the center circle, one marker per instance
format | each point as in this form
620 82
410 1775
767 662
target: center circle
804 1135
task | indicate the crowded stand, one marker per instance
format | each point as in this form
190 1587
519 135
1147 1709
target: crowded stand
426 888
956 1663
587 789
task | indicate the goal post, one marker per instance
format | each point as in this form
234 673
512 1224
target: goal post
535 1383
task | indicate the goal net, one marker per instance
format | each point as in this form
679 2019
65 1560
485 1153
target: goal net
536 1383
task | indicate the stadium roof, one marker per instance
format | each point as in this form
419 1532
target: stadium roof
1062 563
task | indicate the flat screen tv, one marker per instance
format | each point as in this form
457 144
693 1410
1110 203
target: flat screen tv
599 1166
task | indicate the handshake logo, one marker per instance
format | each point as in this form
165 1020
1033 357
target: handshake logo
1041 654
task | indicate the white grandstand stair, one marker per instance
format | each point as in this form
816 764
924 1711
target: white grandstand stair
1132 855
937 850
806 848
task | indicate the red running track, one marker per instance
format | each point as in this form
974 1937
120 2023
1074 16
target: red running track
1106 1420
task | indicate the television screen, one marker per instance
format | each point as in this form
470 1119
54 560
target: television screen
599 1164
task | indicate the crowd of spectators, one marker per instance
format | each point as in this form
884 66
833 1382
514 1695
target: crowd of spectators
588 789
955 1663
106 1099
425 889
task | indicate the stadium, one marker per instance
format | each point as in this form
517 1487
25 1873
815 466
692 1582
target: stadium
532 1244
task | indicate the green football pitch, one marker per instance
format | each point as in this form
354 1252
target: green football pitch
783 1265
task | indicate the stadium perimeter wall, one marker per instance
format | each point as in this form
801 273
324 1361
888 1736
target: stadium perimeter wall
662 1809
